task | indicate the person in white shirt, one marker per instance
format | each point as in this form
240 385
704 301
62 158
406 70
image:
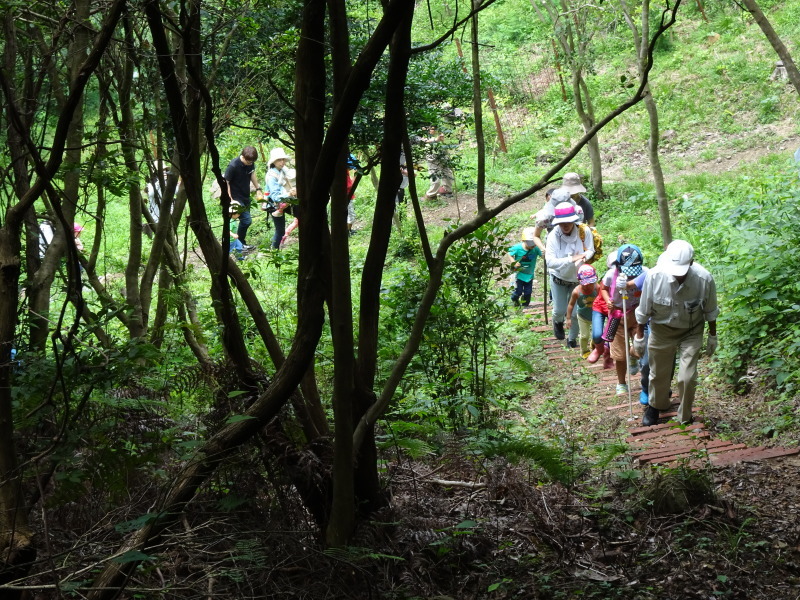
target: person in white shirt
565 252
678 297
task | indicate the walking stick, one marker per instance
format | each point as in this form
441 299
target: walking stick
544 278
627 353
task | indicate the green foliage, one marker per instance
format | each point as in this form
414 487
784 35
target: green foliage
451 379
751 251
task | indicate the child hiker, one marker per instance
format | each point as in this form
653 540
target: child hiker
599 316
235 246
584 296
626 278
524 256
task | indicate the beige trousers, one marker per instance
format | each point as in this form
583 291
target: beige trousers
664 345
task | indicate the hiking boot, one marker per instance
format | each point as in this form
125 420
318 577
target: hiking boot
643 398
650 416
558 330
572 343
594 355
622 389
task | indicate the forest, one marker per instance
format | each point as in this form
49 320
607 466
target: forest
362 412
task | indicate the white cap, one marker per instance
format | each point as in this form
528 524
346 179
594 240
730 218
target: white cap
677 258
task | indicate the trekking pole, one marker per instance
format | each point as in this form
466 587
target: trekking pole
627 353
544 279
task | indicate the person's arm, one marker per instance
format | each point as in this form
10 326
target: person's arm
604 293
573 300
254 181
550 252
537 238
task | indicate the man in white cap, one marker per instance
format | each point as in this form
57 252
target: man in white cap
678 298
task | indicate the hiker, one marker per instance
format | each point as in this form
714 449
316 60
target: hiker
352 166
572 183
240 173
678 297
76 231
544 217
440 173
524 257
281 191
599 316
235 246
565 253
627 276
581 300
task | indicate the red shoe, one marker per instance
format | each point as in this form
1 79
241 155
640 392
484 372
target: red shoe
594 356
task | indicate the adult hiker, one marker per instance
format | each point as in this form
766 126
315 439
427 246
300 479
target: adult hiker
679 296
565 253
544 217
240 174
524 257
280 193
572 183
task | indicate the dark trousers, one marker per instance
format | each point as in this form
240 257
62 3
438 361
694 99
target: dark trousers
280 229
523 289
244 223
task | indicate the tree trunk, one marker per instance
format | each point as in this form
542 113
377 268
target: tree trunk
775 40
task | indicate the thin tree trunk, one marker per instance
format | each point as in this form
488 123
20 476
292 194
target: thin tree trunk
775 40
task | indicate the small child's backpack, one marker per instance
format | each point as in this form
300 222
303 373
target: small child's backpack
596 237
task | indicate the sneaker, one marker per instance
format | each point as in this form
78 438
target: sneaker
643 398
594 355
558 330
650 416
572 343
622 389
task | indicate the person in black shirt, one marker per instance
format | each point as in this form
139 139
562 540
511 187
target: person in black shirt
241 172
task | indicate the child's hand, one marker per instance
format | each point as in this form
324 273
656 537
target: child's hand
568 324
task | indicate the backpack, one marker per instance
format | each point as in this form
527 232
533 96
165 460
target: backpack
598 240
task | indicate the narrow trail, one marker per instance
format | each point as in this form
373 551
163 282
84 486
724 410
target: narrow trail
667 443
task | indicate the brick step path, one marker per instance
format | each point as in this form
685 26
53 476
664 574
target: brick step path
666 443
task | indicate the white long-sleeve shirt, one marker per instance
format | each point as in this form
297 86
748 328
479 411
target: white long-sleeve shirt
561 247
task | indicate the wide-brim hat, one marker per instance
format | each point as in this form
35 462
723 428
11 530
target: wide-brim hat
277 154
572 182
560 195
677 258
565 213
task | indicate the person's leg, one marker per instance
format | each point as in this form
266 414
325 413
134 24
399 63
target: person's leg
598 320
236 248
687 373
351 216
585 328
515 295
434 187
661 349
527 291
574 329
280 226
560 301
644 365
244 224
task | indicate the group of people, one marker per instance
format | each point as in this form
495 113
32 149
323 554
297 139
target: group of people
632 316
278 200
240 176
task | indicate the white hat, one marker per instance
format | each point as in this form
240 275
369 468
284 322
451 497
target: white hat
572 181
277 154
560 195
677 258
